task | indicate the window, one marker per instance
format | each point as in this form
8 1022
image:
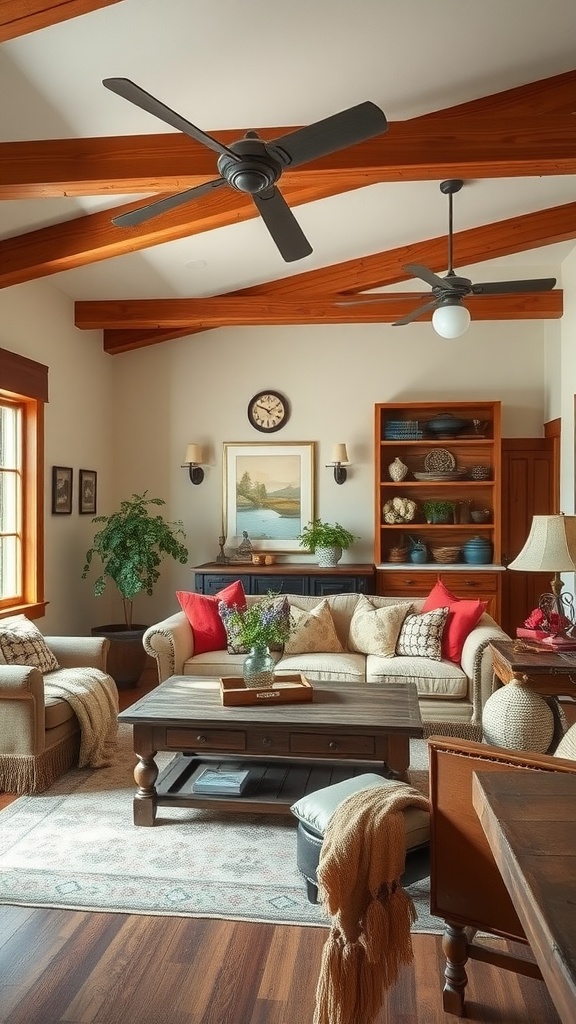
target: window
23 391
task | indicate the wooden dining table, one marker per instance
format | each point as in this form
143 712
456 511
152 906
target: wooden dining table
529 819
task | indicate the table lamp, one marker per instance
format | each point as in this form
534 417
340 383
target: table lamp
551 547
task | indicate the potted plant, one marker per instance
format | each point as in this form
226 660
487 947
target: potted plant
327 540
130 546
438 511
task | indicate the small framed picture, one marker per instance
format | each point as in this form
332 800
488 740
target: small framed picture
61 490
87 492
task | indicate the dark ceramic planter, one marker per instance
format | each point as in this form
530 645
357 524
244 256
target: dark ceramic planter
126 656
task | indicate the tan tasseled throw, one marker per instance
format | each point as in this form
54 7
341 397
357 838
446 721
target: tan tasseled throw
361 863
93 697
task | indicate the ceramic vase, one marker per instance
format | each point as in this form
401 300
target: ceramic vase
397 470
258 668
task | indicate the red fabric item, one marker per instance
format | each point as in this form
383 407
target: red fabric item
202 613
462 618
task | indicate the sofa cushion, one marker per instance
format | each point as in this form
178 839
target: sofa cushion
440 680
202 613
421 635
347 668
314 632
22 643
275 609
462 618
375 630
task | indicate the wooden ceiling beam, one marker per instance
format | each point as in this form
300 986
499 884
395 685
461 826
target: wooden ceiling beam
417 150
93 238
18 17
224 310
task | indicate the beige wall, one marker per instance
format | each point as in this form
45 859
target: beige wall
131 416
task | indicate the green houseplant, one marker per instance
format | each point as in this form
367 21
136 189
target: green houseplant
130 546
438 511
328 540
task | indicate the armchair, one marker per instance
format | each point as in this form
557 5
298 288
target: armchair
466 888
40 735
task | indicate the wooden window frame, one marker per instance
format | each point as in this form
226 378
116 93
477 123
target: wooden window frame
25 382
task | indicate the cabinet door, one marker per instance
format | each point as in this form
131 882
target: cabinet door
212 583
322 586
278 585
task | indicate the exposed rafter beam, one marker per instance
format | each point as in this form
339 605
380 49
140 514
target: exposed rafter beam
216 312
93 238
18 17
418 150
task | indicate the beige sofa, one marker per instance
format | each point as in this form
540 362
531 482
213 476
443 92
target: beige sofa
40 735
451 696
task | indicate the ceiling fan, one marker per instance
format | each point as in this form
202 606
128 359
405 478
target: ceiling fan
451 317
253 166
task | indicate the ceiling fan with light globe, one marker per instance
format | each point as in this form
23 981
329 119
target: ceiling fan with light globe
451 318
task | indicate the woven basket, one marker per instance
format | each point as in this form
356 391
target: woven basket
398 555
446 554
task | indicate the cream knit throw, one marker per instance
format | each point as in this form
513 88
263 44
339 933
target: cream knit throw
93 697
361 863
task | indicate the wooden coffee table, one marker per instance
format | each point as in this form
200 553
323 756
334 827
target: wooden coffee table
291 749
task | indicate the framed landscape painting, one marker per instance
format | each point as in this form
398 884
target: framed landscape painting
268 494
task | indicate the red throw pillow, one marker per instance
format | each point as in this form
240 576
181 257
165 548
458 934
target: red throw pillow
202 613
462 618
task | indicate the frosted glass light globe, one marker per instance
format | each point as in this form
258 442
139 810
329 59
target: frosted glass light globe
450 321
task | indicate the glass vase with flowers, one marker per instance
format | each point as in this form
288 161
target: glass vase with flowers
256 630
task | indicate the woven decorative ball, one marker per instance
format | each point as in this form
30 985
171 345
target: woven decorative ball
518 718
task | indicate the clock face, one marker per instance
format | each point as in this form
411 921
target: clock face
268 411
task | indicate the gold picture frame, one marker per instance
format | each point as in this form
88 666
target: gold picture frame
268 493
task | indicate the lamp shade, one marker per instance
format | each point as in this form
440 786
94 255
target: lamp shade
550 547
193 454
339 453
450 321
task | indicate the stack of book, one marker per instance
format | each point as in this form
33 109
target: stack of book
221 781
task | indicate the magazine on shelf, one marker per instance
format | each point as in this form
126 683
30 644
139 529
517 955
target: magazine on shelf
221 781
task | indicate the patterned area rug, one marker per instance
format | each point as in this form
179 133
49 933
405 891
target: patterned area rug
75 847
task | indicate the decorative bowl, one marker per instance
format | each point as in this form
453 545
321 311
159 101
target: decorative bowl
480 472
446 425
482 516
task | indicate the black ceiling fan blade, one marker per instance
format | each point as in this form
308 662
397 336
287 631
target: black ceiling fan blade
143 213
542 284
415 314
332 133
282 225
417 270
128 90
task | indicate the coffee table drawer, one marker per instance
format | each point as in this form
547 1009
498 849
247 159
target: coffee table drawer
266 741
206 739
331 746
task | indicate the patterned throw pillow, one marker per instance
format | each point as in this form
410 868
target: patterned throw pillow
421 635
21 643
314 632
375 630
280 607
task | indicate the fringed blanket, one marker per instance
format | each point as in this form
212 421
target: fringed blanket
361 863
93 697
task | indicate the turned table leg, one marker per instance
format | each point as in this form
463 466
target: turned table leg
455 947
145 798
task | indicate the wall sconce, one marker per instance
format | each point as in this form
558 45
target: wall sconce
192 459
339 459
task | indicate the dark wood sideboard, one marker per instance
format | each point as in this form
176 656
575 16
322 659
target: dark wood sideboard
287 578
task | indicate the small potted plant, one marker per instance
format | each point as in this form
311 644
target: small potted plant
438 511
130 546
327 540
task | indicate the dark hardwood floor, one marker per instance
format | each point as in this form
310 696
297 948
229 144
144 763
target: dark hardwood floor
71 967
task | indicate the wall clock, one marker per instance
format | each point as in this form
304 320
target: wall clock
268 411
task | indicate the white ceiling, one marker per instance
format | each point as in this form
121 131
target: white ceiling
240 65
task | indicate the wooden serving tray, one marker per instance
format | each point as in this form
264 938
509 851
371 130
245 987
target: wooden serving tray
288 689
